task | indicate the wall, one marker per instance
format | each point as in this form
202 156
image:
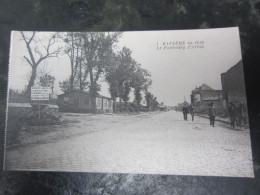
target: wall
80 102
202 107
74 102
233 84
202 98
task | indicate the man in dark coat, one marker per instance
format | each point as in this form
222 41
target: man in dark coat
192 112
212 114
240 115
185 112
232 114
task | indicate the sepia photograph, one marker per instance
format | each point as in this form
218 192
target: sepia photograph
149 102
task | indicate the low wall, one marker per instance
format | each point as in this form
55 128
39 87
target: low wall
203 107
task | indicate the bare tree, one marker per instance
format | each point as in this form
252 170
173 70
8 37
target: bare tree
38 51
73 49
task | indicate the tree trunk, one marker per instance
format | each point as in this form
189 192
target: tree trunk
80 79
31 82
71 80
120 103
137 106
72 63
92 90
126 106
114 104
93 102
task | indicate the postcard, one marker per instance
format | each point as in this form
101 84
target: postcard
167 102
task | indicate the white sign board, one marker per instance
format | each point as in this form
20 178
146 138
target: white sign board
40 93
99 103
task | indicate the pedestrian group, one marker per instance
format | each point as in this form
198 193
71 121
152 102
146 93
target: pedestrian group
188 109
237 114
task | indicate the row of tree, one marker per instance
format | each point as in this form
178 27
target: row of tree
124 73
92 58
151 101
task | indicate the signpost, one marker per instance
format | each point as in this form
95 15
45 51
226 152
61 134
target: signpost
38 94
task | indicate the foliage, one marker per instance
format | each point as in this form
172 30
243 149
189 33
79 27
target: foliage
140 82
47 80
125 73
152 103
119 74
65 85
20 118
97 52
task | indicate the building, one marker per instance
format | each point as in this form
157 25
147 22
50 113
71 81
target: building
78 101
180 106
202 96
20 109
233 84
19 101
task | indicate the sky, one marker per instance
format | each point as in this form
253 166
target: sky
178 61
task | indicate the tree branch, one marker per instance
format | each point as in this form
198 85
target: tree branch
28 61
25 39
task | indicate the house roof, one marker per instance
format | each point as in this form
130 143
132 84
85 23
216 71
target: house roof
83 92
101 96
211 92
205 87
74 92
19 105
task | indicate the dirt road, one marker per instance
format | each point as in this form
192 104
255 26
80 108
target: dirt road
155 143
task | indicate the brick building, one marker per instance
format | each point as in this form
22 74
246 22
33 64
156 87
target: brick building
202 96
233 84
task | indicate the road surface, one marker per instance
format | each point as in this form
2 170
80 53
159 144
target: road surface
153 143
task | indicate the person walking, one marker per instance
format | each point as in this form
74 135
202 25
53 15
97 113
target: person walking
240 112
232 114
212 114
192 112
185 112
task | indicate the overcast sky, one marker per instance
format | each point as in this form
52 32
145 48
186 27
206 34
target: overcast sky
175 72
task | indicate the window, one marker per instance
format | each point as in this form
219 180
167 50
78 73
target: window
197 98
76 101
86 101
66 100
105 103
71 100
109 103
98 103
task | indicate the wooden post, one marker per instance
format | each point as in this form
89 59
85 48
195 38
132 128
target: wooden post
39 112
